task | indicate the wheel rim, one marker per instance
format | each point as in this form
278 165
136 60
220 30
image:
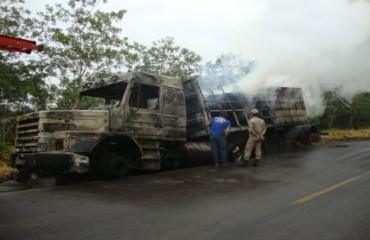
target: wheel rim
114 165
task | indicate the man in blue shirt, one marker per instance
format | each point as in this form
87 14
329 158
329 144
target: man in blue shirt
220 128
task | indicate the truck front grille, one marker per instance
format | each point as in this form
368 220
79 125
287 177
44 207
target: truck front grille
27 135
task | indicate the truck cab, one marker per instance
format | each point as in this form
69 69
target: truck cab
129 120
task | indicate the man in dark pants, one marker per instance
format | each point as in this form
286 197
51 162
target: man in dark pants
220 128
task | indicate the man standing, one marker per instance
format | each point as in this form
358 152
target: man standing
257 130
220 128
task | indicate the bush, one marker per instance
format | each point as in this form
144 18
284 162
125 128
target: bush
5 151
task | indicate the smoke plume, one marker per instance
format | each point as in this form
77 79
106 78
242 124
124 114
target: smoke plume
318 45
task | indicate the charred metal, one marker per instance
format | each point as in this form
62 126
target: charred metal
147 121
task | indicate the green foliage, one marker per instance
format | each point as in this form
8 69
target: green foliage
88 102
14 19
21 79
346 114
22 85
315 121
5 151
361 106
82 42
361 103
7 125
166 58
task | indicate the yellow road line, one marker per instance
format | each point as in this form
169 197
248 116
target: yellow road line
324 191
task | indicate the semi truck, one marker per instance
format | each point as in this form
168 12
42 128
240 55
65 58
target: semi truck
144 121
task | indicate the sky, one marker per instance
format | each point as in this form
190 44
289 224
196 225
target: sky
317 45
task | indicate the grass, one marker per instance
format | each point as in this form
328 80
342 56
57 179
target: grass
340 134
4 170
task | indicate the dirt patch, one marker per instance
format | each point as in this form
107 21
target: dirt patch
8 173
3 173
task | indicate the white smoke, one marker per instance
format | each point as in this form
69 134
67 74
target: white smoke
317 45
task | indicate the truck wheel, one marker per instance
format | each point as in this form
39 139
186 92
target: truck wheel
113 165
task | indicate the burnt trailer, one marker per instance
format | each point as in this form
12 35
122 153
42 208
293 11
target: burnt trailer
147 122
282 108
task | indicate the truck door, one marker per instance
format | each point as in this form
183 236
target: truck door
173 113
144 118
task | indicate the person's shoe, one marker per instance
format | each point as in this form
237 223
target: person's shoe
256 163
217 165
243 163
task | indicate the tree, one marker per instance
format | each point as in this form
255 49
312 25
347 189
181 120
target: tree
82 43
21 77
226 70
164 57
361 105
15 21
347 113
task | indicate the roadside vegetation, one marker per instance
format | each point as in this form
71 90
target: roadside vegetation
4 161
342 135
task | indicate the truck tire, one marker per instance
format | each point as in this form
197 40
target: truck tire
113 165
236 154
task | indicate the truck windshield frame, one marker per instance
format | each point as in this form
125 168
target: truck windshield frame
103 97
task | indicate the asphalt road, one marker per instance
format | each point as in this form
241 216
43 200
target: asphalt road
311 192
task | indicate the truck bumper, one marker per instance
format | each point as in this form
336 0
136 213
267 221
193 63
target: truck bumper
58 161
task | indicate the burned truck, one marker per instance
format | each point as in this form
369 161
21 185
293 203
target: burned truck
143 121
